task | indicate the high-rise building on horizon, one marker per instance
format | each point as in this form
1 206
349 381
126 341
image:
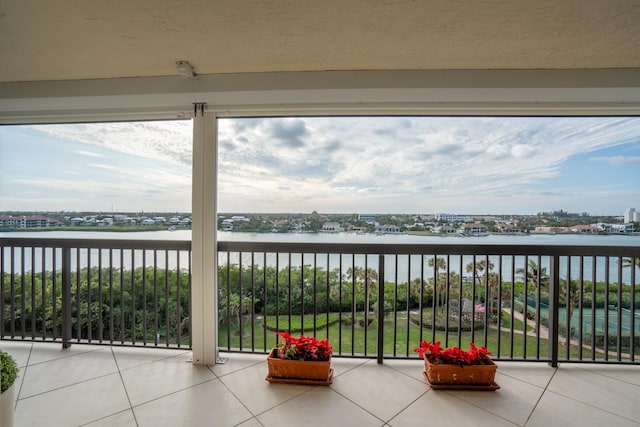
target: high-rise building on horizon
630 215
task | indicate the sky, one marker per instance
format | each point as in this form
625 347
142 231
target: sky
462 165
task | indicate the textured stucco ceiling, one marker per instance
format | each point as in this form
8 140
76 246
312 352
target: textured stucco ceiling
79 39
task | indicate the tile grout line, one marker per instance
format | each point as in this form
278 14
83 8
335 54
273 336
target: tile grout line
407 407
544 390
580 401
124 386
23 377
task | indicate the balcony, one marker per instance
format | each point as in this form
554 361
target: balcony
117 352
123 386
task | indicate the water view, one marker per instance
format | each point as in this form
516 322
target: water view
353 238
403 267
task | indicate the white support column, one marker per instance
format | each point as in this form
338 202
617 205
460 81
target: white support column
204 300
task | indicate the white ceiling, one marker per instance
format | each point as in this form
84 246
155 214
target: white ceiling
80 39
111 59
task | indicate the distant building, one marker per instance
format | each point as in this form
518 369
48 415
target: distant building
509 228
585 229
616 228
452 218
445 229
27 221
630 215
331 227
388 229
474 229
75 222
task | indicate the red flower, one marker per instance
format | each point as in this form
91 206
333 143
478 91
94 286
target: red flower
303 348
453 355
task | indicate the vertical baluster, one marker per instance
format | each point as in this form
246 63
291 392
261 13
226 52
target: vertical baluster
133 297
100 317
619 311
23 296
408 335
394 303
66 297
554 293
32 293
144 299
178 300
89 323
264 301
381 274
167 322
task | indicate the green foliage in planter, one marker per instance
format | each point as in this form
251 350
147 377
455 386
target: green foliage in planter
9 371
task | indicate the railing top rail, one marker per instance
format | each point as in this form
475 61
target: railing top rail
432 249
183 245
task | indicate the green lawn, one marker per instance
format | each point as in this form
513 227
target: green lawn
406 336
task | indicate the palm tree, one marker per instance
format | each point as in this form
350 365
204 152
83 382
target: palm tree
478 268
439 263
481 270
535 276
367 279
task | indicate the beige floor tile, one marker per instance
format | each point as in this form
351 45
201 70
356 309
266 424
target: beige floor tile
207 404
411 368
65 371
20 351
121 419
157 379
46 352
127 357
319 407
538 374
556 410
514 401
437 408
165 387
630 374
379 389
590 387
340 365
258 395
236 362
74 405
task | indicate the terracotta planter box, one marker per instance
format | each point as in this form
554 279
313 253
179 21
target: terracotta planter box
298 371
474 375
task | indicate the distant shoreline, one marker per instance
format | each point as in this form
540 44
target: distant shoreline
148 228
113 228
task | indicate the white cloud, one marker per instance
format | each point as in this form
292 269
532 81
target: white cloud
88 153
373 164
161 140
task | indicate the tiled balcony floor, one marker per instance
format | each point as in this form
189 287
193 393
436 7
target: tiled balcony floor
113 386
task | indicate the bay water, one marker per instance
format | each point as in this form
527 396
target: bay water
407 268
